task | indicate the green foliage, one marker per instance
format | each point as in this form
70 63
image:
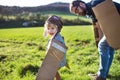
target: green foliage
38 19
22 51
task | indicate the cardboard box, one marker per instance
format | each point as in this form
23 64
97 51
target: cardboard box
109 20
52 61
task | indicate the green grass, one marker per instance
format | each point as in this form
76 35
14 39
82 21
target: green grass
22 51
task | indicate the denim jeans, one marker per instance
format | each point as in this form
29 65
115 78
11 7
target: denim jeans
106 57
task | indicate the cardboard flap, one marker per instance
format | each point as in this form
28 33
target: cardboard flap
109 20
52 60
56 44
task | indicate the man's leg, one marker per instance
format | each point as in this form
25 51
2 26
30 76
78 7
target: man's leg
111 56
105 57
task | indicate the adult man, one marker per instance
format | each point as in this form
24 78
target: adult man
106 52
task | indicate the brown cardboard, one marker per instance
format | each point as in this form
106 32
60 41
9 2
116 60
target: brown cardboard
109 20
52 61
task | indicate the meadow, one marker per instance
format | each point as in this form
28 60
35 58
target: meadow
22 51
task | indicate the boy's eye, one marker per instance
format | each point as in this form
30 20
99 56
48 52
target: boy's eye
48 28
52 28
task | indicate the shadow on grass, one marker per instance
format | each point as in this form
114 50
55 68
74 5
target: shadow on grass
116 77
29 68
2 57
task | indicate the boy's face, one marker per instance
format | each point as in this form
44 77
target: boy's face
51 29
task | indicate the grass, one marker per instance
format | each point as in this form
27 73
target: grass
22 51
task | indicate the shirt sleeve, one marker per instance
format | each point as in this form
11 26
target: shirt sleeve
96 2
59 38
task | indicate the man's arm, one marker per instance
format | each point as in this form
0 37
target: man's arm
98 34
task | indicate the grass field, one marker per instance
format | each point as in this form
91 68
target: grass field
22 51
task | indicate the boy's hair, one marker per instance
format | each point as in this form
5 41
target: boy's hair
56 21
53 20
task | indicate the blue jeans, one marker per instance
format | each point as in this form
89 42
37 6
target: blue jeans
106 57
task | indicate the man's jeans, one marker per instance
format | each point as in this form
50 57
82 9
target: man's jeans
106 56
